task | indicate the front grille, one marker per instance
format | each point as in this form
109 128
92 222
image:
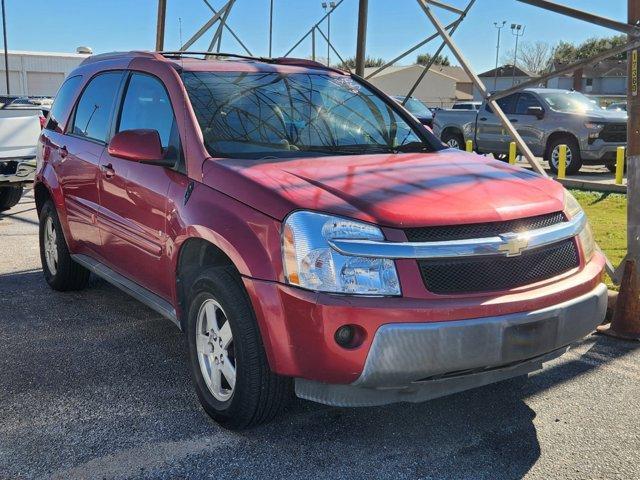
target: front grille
485 274
482 230
614 132
492 273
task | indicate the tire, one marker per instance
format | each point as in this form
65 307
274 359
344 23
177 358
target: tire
503 157
60 271
10 197
248 394
574 160
611 166
453 140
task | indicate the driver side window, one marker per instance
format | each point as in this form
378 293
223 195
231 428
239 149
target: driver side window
526 101
146 105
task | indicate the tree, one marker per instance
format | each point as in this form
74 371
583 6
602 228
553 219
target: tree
535 57
425 58
350 63
566 52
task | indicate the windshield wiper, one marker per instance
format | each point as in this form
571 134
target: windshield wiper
411 147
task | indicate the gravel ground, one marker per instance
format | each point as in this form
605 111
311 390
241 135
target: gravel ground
95 385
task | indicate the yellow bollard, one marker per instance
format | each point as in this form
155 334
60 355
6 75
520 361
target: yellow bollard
469 145
512 153
562 161
620 165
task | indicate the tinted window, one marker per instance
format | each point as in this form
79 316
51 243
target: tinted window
146 105
525 101
63 99
250 115
506 104
96 105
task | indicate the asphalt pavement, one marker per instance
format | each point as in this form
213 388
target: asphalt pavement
95 385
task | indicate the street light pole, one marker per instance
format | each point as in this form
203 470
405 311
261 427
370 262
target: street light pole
495 75
330 6
518 31
270 28
6 48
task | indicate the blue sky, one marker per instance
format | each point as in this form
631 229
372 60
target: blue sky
394 25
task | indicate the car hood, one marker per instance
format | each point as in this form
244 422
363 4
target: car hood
610 116
394 190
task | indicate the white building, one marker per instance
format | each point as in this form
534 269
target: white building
37 73
441 87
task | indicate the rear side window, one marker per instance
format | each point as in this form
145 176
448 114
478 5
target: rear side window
147 105
62 102
94 110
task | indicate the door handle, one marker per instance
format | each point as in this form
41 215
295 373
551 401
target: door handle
483 119
513 120
63 152
108 170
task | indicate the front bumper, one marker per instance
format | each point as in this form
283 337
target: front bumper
16 171
599 151
414 362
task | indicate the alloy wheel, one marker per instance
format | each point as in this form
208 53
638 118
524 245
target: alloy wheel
555 157
215 348
51 245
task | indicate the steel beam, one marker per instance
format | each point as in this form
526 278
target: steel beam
411 50
233 34
522 146
333 49
584 16
435 55
216 41
317 24
445 6
205 27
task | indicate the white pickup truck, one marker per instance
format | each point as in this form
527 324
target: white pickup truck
19 132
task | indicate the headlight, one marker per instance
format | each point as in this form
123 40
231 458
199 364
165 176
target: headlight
594 126
310 262
585 237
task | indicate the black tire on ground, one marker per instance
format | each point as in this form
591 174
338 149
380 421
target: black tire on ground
259 394
503 157
9 197
62 274
573 152
453 139
611 166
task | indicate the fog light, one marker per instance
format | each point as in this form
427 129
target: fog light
349 336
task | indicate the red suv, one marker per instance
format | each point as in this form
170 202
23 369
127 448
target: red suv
307 233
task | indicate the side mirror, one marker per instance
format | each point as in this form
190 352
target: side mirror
140 145
536 112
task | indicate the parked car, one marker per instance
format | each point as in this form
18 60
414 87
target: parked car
618 106
417 109
466 106
306 233
546 119
19 131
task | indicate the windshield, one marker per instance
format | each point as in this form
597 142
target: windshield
253 115
569 102
418 108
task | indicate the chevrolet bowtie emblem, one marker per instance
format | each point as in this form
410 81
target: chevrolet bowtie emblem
514 244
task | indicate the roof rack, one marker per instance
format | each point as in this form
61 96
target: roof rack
300 62
115 55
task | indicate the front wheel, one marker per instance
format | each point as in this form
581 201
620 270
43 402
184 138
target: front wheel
10 197
228 363
453 140
574 161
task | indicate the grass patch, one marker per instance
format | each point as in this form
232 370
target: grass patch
607 214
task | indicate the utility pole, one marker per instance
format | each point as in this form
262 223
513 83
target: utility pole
270 28
6 48
162 14
361 47
517 31
495 75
